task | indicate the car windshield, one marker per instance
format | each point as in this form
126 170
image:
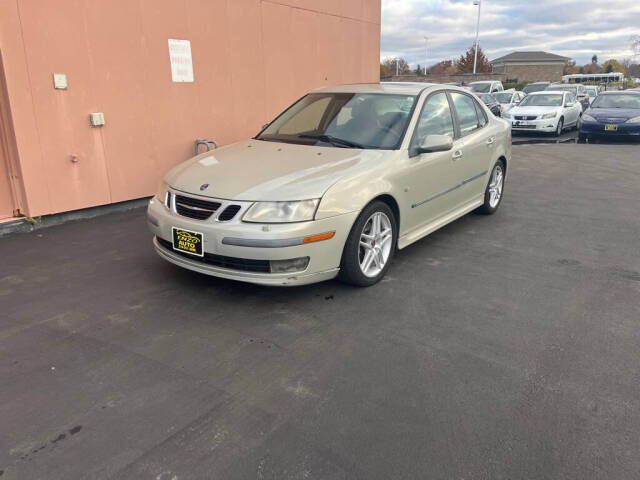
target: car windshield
344 120
534 87
480 87
591 93
542 100
503 97
488 98
621 100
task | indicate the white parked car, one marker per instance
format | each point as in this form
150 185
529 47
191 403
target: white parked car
334 185
546 111
509 99
592 91
486 86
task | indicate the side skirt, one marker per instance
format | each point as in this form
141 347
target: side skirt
415 235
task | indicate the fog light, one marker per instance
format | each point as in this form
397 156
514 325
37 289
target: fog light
287 266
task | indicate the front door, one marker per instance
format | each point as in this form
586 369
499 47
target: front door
431 180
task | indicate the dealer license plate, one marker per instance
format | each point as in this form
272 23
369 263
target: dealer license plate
188 241
611 128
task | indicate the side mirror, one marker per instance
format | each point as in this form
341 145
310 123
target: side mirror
434 143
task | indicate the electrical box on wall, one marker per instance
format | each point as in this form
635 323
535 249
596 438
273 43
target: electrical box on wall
97 119
59 81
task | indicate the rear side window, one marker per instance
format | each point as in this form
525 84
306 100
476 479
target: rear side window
466 112
435 118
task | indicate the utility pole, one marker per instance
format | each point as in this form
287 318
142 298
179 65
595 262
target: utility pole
426 53
397 66
475 57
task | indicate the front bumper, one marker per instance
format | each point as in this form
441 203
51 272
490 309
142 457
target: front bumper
599 129
548 125
324 256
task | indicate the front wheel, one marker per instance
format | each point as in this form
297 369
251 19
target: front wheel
370 246
560 127
493 192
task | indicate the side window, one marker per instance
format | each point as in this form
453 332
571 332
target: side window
482 117
435 118
466 111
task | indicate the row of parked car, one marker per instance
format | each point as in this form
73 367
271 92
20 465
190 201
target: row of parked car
554 107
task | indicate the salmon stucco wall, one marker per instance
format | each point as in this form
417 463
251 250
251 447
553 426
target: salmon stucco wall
251 59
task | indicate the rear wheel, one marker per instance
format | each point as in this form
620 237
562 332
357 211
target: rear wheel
494 190
370 246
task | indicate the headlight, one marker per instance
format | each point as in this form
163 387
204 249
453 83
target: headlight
549 115
161 193
281 212
588 118
632 120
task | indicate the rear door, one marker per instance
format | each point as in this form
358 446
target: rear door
479 143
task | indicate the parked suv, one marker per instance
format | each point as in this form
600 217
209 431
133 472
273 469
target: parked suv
579 91
488 86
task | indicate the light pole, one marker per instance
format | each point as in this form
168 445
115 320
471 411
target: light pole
426 53
397 66
475 57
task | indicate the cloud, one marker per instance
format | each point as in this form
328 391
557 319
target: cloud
574 28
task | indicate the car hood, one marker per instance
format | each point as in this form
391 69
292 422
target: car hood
255 170
533 110
613 114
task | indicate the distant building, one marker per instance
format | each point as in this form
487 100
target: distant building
530 66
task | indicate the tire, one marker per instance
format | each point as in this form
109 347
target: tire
490 206
560 127
354 254
582 138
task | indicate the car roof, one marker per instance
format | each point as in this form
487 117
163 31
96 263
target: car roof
406 88
546 92
620 92
401 88
484 81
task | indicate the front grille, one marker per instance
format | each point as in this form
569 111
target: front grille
232 263
228 213
525 117
195 208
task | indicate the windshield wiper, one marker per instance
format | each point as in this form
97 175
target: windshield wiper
338 142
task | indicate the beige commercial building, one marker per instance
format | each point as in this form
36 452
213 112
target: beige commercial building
530 66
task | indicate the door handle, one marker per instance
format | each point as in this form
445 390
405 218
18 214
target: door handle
490 140
456 155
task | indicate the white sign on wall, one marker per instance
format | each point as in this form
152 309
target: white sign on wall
180 58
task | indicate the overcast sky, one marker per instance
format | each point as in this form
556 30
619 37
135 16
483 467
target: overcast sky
574 28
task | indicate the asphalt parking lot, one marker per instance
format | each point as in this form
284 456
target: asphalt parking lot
502 347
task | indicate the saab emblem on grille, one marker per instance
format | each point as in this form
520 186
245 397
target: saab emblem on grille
204 186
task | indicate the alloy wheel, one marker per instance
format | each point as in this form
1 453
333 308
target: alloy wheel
375 244
495 186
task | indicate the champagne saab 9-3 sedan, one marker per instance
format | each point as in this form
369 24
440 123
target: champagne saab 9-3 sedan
334 185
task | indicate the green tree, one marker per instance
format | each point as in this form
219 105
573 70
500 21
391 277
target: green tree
465 63
594 59
400 63
612 65
419 70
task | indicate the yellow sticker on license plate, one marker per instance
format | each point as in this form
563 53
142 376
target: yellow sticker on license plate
187 241
611 128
